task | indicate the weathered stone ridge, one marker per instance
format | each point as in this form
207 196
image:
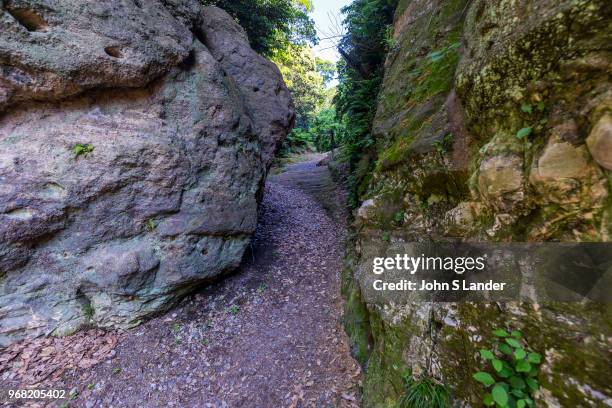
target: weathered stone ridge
493 124
132 155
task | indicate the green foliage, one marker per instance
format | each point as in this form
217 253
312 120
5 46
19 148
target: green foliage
524 132
424 393
527 108
364 48
89 311
513 377
233 309
272 24
306 76
299 68
390 41
399 216
81 149
150 225
327 69
326 130
444 145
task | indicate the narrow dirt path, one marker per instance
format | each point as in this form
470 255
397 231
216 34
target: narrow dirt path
267 336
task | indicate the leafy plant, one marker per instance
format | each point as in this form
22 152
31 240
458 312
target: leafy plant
513 377
527 108
524 132
424 393
88 310
390 41
386 236
399 216
150 224
444 145
84 150
233 309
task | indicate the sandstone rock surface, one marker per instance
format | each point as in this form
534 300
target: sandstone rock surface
134 141
492 124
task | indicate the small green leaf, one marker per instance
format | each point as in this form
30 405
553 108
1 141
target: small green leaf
505 373
532 384
484 378
517 382
524 132
504 348
517 334
541 106
526 108
534 358
520 354
518 393
520 403
500 396
529 402
500 333
488 400
497 365
512 342
523 367
486 354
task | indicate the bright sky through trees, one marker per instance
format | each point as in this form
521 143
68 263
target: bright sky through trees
328 20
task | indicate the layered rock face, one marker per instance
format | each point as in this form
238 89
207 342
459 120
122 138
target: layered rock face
493 124
134 141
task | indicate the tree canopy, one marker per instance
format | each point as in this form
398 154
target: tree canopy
272 24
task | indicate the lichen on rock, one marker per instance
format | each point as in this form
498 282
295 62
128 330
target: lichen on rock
493 124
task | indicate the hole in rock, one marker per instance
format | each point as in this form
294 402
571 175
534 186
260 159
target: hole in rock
189 62
256 89
29 19
85 303
114 52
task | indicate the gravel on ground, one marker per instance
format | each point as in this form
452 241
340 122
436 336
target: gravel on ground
269 335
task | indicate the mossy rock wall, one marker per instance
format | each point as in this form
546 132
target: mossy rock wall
493 123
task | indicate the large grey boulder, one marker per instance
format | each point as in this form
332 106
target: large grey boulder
128 175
